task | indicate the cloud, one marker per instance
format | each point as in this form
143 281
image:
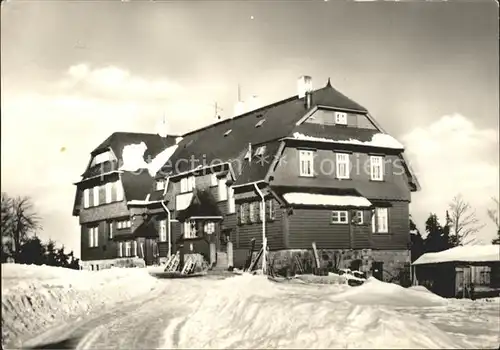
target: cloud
452 156
48 132
117 83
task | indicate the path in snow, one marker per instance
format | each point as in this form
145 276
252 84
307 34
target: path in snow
132 324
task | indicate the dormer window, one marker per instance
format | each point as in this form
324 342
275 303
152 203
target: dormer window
260 151
160 184
341 118
227 132
188 184
259 123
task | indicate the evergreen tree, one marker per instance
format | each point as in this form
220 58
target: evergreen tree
417 242
51 254
61 257
436 239
32 252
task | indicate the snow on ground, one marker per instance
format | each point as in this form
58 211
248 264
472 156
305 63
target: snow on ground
35 297
245 311
252 312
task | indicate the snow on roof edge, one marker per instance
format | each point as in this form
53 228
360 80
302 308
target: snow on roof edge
322 199
466 254
380 140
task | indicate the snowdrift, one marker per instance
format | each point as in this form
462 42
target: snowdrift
375 292
36 297
251 312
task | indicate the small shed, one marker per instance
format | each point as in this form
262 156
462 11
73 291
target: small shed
465 271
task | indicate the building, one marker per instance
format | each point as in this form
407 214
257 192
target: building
115 177
315 167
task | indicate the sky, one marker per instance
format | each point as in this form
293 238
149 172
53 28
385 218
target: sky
74 72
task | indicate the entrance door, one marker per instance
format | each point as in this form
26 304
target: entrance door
149 250
223 237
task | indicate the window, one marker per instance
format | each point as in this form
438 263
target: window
227 132
306 159
341 118
109 192
358 217
259 123
190 229
260 151
230 203
342 165
86 198
120 249
376 168
163 230
123 224
95 195
252 209
209 228
160 184
94 236
244 213
380 220
119 191
188 184
110 230
222 189
134 248
128 248
339 217
213 180
270 209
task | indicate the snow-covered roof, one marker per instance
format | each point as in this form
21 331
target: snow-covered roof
465 254
161 159
141 202
323 199
378 140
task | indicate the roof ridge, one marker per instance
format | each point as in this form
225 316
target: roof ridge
247 114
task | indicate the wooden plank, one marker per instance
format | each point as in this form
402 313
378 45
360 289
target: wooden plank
316 256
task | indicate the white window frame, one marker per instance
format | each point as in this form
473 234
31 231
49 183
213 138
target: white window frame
122 224
109 192
188 184
86 198
380 220
306 163
93 236
342 161
251 212
95 196
163 230
134 248
209 227
110 230
222 189
189 229
119 191
120 249
128 248
271 209
339 217
231 205
160 184
358 216
377 168
341 118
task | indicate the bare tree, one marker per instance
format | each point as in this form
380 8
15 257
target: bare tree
19 220
493 215
464 223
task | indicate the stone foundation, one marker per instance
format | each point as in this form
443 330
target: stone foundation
394 261
95 265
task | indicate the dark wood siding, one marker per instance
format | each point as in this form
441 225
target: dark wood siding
399 229
394 187
274 231
104 212
313 225
107 249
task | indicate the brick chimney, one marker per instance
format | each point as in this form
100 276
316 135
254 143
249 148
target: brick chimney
304 85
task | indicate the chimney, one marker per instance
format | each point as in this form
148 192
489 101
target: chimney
304 85
239 108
